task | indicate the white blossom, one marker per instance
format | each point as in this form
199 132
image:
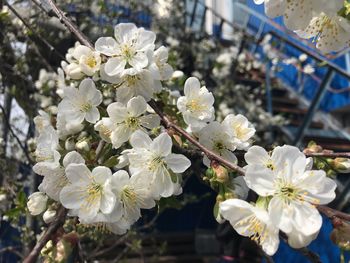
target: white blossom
88 192
80 104
215 137
128 49
253 222
124 120
82 60
240 129
197 104
154 158
295 189
55 179
132 194
159 67
46 153
133 83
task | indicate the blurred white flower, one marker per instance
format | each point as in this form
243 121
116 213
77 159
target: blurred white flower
159 67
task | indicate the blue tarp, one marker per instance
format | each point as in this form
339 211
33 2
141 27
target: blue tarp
289 74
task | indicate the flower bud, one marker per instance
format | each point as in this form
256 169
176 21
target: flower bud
82 146
341 165
49 216
341 235
69 144
37 203
221 173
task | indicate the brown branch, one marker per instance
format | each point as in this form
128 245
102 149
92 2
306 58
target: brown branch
50 231
331 213
52 9
329 155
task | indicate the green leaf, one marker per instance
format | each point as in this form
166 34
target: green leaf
111 162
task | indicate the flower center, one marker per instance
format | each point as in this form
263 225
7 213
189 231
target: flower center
255 226
219 146
91 61
129 196
239 131
155 163
93 195
270 165
85 107
127 52
194 105
132 80
133 122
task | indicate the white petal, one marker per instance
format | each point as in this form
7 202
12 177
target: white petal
72 157
115 66
137 106
78 174
108 200
256 155
72 197
140 139
178 163
101 173
192 87
150 121
93 115
107 46
117 111
162 145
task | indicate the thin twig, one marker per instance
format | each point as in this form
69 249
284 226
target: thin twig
46 4
37 34
25 151
50 231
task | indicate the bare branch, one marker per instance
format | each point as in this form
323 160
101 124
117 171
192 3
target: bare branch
24 149
50 231
51 7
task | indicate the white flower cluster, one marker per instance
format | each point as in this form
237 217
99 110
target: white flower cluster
197 110
82 151
317 19
289 191
94 193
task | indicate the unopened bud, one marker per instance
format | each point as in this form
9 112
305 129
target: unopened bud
341 165
37 203
313 148
69 144
221 173
49 216
82 146
341 236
